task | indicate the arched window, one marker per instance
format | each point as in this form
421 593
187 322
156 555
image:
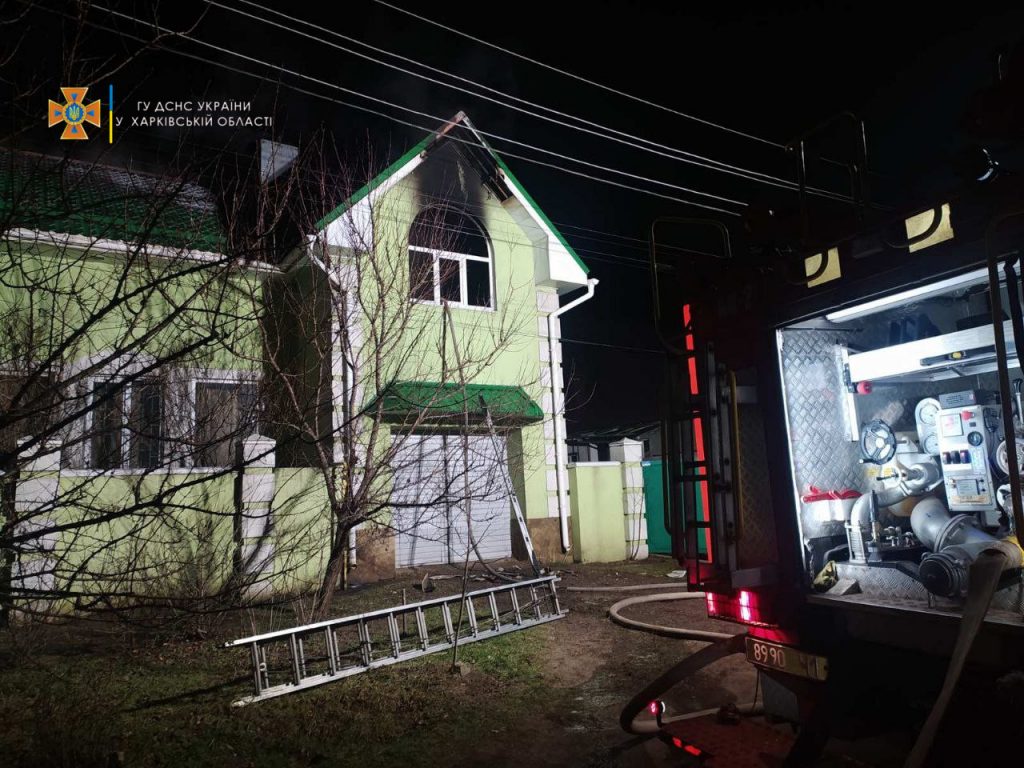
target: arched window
450 259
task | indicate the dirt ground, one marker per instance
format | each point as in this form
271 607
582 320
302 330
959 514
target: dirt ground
545 696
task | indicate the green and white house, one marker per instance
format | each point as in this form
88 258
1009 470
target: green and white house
469 235
130 373
164 401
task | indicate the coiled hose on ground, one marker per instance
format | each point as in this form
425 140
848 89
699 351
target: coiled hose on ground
722 645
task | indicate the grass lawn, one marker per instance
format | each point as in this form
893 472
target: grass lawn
169 705
548 696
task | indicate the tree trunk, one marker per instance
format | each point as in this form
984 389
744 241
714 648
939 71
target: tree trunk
8 486
335 572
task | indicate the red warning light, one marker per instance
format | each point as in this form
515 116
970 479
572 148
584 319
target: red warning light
693 750
676 741
654 708
745 613
744 605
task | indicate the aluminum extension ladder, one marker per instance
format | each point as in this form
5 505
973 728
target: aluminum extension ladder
517 510
336 648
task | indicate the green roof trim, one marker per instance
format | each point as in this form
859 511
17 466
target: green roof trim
445 402
533 203
375 182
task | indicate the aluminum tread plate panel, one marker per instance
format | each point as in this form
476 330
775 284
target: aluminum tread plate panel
822 453
757 545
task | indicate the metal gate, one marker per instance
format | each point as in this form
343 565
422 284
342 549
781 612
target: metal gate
428 499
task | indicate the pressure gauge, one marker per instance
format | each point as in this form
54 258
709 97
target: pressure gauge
927 415
1002 460
927 412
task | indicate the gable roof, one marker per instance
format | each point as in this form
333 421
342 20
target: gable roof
493 170
70 197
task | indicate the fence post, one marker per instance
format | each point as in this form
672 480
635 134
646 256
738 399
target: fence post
35 508
255 527
629 454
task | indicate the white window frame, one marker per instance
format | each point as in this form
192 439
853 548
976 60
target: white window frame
461 258
124 465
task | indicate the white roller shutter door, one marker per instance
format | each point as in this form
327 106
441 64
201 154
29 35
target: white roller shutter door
419 514
428 530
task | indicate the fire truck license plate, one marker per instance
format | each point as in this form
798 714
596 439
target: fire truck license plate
786 659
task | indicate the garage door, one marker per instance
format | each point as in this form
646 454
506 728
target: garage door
429 499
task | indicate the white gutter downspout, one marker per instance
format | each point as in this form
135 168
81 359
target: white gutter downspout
556 410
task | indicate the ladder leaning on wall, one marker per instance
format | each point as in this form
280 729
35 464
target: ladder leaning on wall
506 477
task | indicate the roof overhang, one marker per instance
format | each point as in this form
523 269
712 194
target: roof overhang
427 403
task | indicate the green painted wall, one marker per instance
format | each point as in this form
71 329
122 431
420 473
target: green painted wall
87 302
181 541
597 513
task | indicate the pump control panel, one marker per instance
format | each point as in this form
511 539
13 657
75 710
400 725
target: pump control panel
968 437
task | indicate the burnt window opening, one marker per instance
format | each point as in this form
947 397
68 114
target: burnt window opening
450 260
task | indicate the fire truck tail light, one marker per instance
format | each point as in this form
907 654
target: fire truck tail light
743 606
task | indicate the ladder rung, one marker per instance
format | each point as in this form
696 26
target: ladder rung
396 640
259 669
293 651
365 648
554 598
471 614
449 629
421 629
494 610
535 602
515 606
332 650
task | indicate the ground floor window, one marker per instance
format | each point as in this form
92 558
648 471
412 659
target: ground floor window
127 429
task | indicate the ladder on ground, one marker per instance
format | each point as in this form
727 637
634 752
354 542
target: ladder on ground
511 491
303 657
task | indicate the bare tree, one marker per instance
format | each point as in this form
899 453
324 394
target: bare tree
129 378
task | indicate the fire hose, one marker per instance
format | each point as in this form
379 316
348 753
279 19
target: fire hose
722 645
984 578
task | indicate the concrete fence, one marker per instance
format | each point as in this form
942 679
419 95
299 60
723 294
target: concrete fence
607 502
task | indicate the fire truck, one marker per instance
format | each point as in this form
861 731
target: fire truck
843 433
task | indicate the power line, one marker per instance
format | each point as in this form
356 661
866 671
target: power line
602 131
398 106
582 79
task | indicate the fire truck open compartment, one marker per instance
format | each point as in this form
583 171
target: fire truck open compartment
892 406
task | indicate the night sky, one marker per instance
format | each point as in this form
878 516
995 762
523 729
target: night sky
909 71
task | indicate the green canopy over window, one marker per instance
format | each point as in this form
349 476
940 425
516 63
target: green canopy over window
445 402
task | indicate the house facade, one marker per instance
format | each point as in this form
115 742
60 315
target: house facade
182 420
477 273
